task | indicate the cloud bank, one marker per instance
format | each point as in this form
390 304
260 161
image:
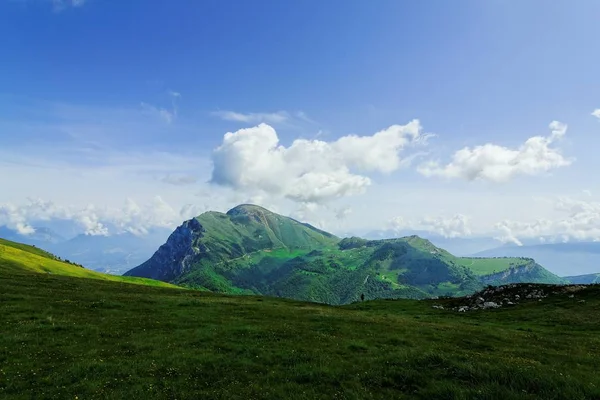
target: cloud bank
94 220
580 220
309 171
491 162
448 227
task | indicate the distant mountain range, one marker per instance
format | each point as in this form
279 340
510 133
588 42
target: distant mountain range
251 250
40 238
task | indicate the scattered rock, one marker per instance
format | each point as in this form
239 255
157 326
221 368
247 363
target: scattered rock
438 307
490 304
511 295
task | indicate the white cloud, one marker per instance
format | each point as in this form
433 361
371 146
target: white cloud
496 163
93 220
596 113
254 118
343 213
305 212
162 113
309 171
455 226
166 115
580 220
449 227
189 211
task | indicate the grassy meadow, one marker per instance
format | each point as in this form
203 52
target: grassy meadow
77 338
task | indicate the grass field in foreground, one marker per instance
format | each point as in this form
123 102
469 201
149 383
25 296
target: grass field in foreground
67 338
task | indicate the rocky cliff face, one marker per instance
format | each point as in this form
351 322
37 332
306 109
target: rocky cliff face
173 257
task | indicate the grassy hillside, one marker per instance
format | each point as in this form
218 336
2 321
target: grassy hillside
496 271
487 266
90 339
250 250
338 273
16 258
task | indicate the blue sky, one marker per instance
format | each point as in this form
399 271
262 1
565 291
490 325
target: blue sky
101 102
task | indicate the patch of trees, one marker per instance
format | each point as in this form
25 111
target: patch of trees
390 250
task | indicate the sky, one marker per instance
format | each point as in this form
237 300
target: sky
466 118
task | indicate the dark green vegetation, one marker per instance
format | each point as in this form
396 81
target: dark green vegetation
67 338
251 250
17 257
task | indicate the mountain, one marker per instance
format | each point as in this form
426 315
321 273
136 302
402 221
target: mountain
564 259
458 246
584 279
251 250
42 236
18 258
113 254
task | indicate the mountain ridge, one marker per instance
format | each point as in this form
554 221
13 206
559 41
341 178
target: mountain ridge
251 250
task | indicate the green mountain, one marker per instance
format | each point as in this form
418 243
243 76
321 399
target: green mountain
19 259
251 250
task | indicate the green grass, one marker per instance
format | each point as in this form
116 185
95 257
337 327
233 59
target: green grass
17 257
487 266
78 338
27 248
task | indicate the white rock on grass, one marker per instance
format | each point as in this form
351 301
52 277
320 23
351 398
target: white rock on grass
490 304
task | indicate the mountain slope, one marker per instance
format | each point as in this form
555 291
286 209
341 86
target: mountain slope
250 250
213 238
17 258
